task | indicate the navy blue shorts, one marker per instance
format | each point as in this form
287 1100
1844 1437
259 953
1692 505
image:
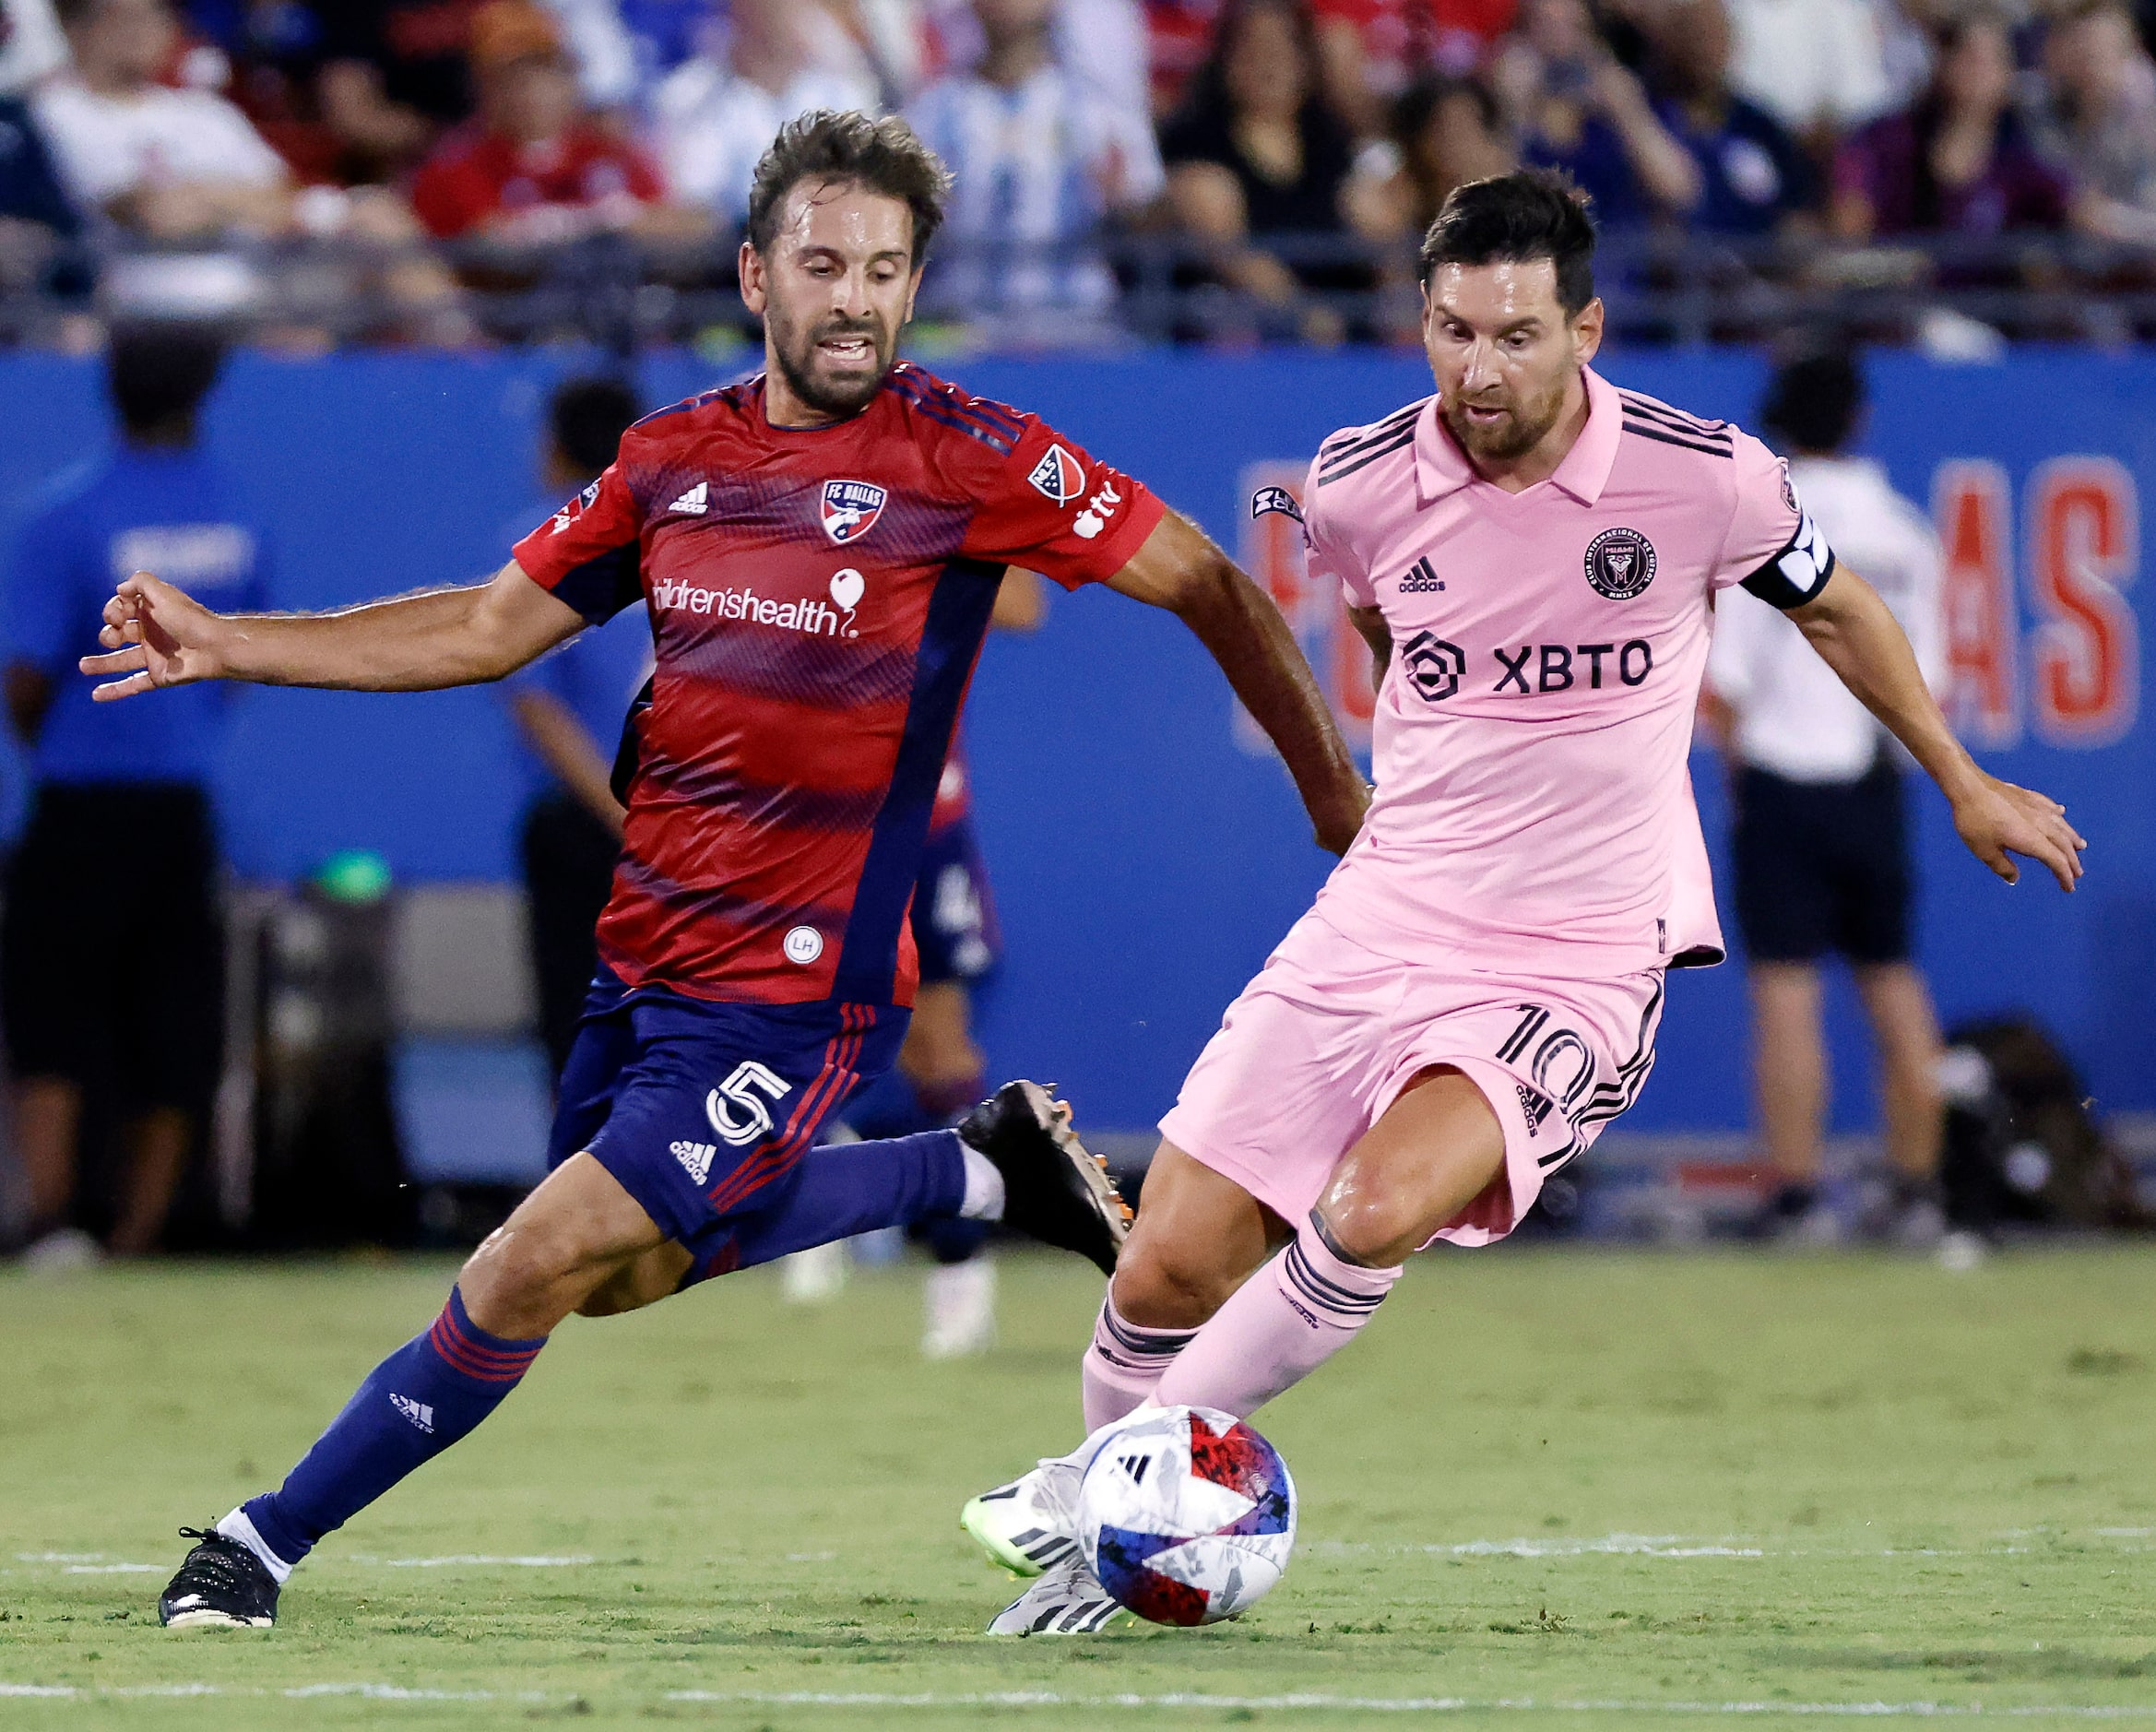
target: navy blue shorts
1823 867
703 1111
954 911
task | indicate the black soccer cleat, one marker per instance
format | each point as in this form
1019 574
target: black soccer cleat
221 1585
1054 1189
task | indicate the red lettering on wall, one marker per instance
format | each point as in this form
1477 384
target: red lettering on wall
2084 551
1972 507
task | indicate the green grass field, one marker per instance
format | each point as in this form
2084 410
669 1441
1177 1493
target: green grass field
1578 1490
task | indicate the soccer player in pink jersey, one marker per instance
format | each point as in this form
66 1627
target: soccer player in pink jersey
820 548
1533 555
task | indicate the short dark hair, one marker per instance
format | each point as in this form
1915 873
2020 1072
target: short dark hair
1516 219
587 417
1813 400
884 156
158 371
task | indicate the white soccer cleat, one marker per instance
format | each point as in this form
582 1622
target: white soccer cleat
1068 1601
1031 1525
959 1299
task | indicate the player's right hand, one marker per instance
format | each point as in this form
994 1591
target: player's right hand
1997 820
157 635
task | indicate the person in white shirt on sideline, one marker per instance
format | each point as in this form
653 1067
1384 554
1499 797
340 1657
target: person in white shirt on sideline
1042 156
714 117
1821 835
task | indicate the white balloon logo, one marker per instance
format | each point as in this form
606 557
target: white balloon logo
847 587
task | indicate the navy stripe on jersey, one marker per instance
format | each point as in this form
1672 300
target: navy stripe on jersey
1677 421
1365 456
971 417
731 393
1662 435
789 805
604 584
950 644
915 384
1342 446
717 902
827 673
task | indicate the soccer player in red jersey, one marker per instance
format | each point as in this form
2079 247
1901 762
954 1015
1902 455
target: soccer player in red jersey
820 548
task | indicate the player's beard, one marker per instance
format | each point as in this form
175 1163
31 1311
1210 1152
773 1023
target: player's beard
840 394
1523 428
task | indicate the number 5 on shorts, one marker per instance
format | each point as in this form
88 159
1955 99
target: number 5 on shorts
737 1108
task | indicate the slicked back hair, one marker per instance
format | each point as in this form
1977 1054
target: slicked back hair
824 144
1515 220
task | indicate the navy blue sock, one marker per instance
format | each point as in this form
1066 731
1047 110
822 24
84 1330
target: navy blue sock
419 1400
952 1240
842 1188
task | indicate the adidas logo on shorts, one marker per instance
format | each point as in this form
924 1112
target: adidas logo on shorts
696 1158
1534 1105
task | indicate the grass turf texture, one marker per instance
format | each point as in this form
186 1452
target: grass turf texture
1860 1481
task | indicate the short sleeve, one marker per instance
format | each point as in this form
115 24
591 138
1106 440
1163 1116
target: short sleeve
1329 561
1772 548
1053 509
587 553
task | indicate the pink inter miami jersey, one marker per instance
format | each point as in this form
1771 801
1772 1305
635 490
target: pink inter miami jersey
818 599
1534 809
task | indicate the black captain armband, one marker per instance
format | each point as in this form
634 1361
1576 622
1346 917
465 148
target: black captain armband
1798 572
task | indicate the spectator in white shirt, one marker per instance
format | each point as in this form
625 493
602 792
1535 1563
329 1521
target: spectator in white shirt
1815 66
1041 160
716 116
174 164
1821 845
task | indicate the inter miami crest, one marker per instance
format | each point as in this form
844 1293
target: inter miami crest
850 509
1433 666
1620 563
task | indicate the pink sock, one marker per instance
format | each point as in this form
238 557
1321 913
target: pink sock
1279 1326
1123 1364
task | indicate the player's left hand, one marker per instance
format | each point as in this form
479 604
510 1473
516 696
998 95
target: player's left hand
1998 820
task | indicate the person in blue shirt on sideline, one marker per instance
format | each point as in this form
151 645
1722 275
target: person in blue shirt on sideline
569 706
111 948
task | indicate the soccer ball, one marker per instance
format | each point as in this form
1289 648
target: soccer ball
1186 1515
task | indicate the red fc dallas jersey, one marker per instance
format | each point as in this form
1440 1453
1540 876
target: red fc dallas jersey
818 601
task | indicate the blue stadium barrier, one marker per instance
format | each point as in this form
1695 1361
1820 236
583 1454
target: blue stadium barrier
1145 857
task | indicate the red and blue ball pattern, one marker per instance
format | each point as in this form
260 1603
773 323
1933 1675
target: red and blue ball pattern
1218 1568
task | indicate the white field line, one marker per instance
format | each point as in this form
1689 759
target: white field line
1403 1704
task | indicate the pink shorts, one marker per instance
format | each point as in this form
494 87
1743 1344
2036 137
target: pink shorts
1321 1043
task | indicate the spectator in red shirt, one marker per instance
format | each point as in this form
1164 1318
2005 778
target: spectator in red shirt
532 166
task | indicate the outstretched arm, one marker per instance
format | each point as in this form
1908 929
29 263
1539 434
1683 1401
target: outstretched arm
1858 637
1180 569
158 635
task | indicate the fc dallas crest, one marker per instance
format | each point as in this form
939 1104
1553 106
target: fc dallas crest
850 509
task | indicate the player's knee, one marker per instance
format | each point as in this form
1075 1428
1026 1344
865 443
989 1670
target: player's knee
1163 1286
1375 1232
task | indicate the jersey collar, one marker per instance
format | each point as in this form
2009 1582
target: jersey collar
1441 468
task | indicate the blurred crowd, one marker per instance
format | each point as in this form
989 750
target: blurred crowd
1216 170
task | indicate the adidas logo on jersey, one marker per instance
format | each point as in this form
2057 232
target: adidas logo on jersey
695 501
1421 580
696 1158
418 1412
